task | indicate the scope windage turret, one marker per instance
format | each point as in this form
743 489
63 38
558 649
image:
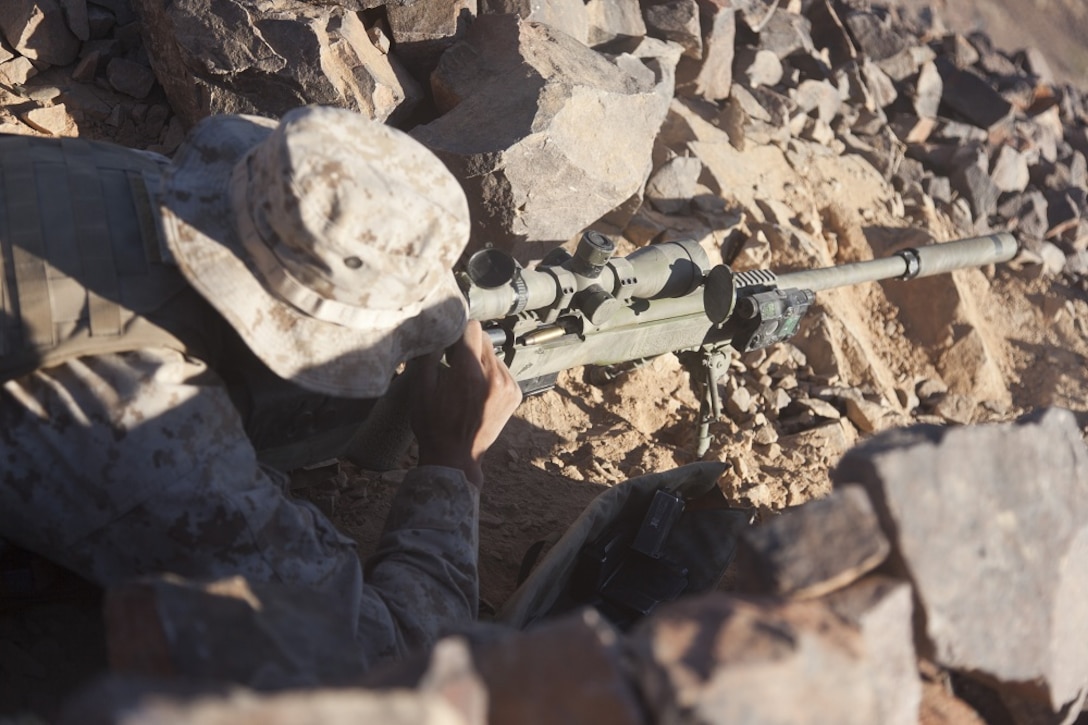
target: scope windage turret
591 281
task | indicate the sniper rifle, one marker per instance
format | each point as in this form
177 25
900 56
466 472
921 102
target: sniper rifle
592 308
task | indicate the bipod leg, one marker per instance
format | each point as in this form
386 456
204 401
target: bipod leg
705 375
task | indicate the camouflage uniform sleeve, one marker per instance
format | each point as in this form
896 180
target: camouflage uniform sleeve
425 565
137 464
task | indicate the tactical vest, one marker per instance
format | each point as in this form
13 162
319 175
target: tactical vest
83 272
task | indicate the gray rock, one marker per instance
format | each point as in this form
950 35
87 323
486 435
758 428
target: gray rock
712 76
906 63
990 523
971 96
928 90
881 89
6 53
676 21
882 608
671 187
1062 211
523 109
422 31
756 13
971 179
721 659
568 16
17 71
610 20
38 30
1009 169
828 31
122 10
960 50
100 22
75 12
130 78
812 549
87 67
245 56
786 34
874 35
758 67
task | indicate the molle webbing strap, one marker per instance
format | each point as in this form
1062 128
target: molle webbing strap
99 276
149 228
24 231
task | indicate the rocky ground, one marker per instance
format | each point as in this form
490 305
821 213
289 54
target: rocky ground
895 162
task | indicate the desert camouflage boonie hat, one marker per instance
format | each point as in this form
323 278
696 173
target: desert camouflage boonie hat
327 241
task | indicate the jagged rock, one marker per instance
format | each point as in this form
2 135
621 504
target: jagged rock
928 91
566 669
911 129
881 608
829 32
812 549
85 102
17 71
989 523
971 97
610 20
422 31
874 35
879 86
970 178
671 187
520 104
1062 212
906 63
738 402
53 120
122 10
575 661
1009 170
969 368
955 408
244 56
568 16
130 78
721 659
676 21
75 12
712 76
87 67
758 67
865 414
38 30
819 96
787 33
960 50
100 22
1051 257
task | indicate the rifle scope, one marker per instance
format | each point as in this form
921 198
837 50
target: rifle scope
591 280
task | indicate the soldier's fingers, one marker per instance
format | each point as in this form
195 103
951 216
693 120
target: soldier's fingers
424 371
471 342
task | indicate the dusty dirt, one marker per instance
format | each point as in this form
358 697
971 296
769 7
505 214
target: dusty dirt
565 446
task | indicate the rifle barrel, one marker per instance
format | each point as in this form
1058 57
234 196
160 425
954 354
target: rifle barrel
908 263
